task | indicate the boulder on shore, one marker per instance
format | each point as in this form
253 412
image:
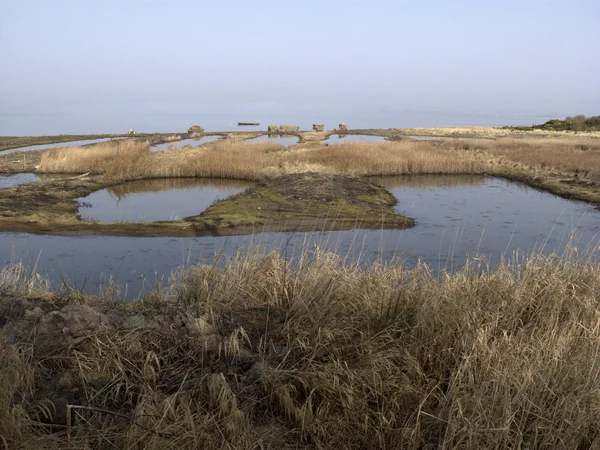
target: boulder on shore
131 131
289 128
343 127
319 127
273 129
195 129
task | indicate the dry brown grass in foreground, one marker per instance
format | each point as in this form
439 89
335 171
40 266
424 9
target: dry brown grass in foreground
563 155
261 354
235 159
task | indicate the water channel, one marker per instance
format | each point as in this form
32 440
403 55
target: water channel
152 200
184 142
7 181
286 141
455 216
57 145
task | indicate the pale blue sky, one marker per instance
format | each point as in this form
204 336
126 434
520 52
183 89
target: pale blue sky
125 62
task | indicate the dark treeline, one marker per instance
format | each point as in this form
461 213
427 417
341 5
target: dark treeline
575 123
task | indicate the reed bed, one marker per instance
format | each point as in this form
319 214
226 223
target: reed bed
564 155
386 158
316 353
243 160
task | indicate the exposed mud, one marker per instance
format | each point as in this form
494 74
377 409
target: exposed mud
305 202
302 202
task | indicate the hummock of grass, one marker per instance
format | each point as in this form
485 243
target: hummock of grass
318 354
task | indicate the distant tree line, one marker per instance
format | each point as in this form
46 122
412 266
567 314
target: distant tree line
575 123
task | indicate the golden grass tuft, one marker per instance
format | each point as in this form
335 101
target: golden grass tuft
321 354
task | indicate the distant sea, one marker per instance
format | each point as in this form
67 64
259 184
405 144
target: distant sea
34 124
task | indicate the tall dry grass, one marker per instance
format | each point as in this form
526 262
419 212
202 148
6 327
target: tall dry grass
235 159
564 155
385 158
320 354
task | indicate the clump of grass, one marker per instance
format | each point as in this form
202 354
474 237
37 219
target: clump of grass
318 353
94 158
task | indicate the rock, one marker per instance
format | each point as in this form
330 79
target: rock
131 131
319 127
289 128
195 129
343 127
273 129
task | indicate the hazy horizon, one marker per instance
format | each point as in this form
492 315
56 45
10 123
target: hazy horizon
99 67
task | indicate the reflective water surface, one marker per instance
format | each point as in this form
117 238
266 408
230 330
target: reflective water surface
17 179
455 216
286 141
182 143
57 145
343 138
160 199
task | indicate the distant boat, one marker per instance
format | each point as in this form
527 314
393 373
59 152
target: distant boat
248 124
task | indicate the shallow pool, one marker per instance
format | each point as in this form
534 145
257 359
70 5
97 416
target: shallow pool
455 216
160 199
286 141
57 145
17 179
178 144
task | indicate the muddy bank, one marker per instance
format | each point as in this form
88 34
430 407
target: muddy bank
302 202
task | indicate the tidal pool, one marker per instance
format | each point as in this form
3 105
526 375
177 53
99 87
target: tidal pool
17 179
159 199
178 144
57 145
335 139
456 216
286 141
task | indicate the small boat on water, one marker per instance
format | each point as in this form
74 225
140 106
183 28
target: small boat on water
248 124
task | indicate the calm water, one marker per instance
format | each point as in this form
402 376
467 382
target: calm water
342 139
151 200
58 144
183 143
276 139
7 181
455 216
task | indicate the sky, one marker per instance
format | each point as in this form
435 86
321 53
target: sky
99 66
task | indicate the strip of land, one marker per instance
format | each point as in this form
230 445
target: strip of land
564 164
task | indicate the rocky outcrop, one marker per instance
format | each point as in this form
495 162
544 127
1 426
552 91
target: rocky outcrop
195 129
318 127
289 128
342 127
273 129
131 131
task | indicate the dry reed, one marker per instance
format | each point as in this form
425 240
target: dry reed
320 354
563 155
235 159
